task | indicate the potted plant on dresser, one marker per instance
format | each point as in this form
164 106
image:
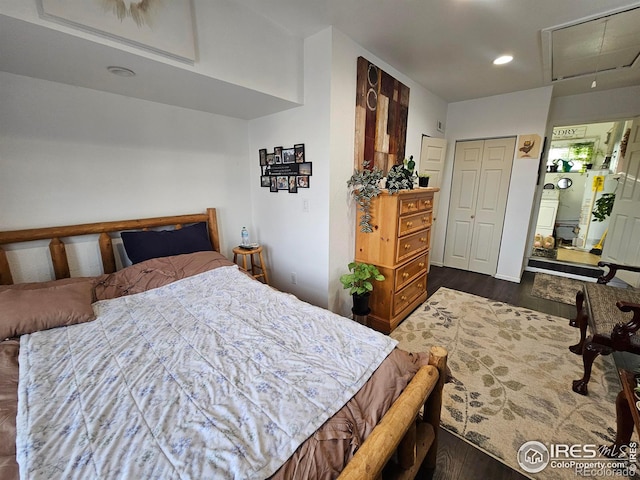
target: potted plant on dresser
359 282
423 179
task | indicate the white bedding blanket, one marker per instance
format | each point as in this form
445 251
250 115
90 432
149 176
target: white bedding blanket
213 376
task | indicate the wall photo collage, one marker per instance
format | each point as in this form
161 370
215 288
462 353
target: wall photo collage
284 169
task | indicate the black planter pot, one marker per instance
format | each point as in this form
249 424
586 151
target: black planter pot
361 304
423 181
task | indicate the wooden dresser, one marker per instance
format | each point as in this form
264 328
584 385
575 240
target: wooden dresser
399 247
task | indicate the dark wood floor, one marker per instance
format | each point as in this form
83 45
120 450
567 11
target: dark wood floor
457 459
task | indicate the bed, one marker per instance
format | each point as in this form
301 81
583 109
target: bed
184 366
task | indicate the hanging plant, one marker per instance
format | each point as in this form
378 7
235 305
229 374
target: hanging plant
365 185
604 206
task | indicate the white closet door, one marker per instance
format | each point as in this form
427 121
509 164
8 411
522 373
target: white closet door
462 205
481 175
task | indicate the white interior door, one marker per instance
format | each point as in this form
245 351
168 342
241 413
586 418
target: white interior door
467 163
432 156
481 174
622 243
495 174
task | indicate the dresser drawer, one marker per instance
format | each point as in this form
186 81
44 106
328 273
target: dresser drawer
411 270
404 297
412 244
416 203
426 203
412 223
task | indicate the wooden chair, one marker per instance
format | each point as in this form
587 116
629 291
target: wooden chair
613 317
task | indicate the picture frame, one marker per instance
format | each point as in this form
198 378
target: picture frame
277 155
282 182
284 168
165 29
305 169
528 146
288 155
299 151
302 181
293 185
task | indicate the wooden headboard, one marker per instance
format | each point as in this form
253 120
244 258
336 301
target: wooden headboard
57 248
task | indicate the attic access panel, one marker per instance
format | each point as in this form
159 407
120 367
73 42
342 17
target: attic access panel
606 43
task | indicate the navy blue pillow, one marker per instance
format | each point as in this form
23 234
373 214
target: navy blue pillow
141 246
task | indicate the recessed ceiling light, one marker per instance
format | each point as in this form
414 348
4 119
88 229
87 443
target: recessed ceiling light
502 60
121 71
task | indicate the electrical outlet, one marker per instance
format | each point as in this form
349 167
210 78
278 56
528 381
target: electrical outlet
294 278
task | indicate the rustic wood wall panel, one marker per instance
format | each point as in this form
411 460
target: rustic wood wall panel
382 107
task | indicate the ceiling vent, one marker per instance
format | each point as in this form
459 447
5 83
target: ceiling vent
592 46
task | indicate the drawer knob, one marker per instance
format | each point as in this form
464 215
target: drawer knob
407 246
405 275
411 205
425 219
421 264
409 224
423 239
419 285
403 298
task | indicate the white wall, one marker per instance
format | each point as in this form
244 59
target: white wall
296 241
425 109
599 106
318 245
512 114
73 155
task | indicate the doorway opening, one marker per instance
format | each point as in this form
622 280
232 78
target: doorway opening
579 185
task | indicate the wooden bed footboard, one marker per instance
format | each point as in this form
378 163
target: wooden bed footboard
403 432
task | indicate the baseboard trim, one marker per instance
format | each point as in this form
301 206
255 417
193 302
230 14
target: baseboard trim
508 278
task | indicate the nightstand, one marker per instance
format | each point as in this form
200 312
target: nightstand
258 270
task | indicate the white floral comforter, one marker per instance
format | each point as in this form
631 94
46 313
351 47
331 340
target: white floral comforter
213 376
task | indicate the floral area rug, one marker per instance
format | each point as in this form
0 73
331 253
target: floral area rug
512 373
554 287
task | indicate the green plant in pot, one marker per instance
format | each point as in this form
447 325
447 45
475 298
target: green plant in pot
423 180
365 185
359 281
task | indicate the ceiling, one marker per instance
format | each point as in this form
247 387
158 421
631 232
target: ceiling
445 45
448 45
